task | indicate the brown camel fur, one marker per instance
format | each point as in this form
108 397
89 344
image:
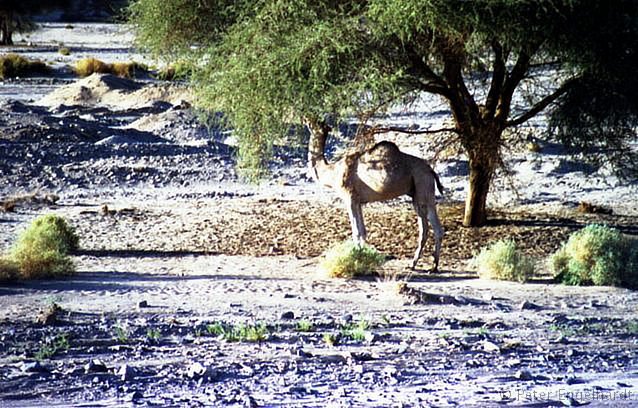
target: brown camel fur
380 173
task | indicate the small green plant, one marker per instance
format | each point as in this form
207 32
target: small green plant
64 51
347 260
330 339
503 261
356 332
14 65
597 255
305 326
52 346
153 335
241 332
42 249
632 327
122 333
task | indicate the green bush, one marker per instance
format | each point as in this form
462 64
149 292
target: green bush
14 65
597 255
347 259
503 261
42 249
8 270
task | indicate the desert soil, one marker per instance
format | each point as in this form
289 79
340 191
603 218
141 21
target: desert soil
173 244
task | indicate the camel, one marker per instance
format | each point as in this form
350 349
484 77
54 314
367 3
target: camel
380 173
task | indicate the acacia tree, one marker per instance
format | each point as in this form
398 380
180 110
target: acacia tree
266 64
15 16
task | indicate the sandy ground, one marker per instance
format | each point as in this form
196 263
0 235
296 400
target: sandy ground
172 244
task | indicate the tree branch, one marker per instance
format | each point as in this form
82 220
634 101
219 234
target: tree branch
386 129
540 105
498 77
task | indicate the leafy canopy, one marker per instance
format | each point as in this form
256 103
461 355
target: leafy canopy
269 63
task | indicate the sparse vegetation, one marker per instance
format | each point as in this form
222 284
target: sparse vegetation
597 255
242 332
356 331
41 250
180 70
305 326
347 260
153 335
502 260
330 339
89 66
122 333
51 347
64 51
14 65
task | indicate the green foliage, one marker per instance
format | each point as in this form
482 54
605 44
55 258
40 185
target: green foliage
52 346
267 64
241 332
180 70
329 338
503 261
356 332
305 326
597 255
9 270
14 65
64 51
122 333
153 335
347 260
42 249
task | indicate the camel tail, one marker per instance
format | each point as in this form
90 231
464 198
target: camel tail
438 183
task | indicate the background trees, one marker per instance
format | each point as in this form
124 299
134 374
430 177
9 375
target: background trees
15 16
267 64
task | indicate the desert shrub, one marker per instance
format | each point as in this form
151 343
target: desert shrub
597 255
88 66
127 69
8 270
347 259
179 70
42 249
503 261
14 65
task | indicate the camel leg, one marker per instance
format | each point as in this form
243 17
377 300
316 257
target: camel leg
421 213
438 234
355 213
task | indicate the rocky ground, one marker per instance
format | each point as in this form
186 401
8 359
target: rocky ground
195 289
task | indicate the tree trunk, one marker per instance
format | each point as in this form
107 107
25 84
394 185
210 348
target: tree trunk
479 184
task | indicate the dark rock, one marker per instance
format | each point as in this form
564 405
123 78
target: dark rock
287 315
95 366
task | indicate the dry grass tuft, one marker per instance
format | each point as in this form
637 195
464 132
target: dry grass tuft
14 65
89 66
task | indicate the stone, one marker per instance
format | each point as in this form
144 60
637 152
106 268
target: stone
288 315
95 366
